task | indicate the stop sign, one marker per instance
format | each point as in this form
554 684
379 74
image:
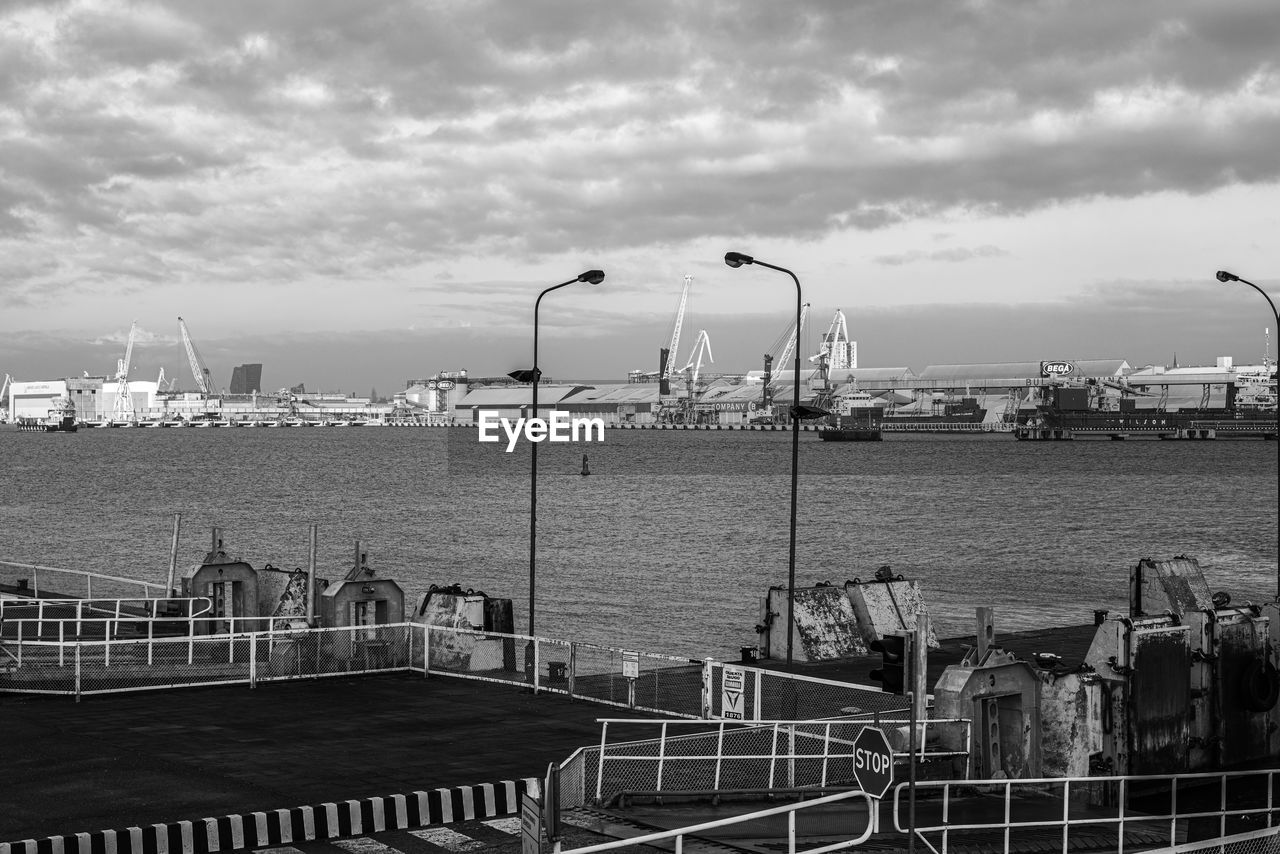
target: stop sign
873 761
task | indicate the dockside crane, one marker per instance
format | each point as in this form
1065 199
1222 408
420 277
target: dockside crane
785 357
701 347
123 409
667 356
204 380
837 352
4 400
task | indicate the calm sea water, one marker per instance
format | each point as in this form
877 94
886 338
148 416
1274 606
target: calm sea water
671 542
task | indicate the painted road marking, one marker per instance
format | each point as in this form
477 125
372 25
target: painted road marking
509 825
446 838
364 845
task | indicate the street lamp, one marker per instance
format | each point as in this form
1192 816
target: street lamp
1224 276
591 277
737 259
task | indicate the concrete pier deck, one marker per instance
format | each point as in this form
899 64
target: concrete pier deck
120 760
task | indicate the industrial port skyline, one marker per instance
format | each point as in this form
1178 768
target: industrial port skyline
914 338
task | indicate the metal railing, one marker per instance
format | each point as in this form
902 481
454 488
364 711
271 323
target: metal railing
112 666
717 755
704 828
57 581
1210 805
29 619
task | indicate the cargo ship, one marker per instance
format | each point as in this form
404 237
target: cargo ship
946 414
856 419
1248 411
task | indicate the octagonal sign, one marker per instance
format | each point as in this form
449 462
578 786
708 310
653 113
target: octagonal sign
873 761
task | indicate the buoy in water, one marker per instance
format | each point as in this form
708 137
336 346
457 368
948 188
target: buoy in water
586 470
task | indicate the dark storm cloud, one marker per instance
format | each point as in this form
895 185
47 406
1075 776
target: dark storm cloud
249 141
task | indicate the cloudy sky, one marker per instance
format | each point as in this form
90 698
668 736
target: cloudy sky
358 193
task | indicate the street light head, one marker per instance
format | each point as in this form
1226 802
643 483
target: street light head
737 259
1224 276
592 277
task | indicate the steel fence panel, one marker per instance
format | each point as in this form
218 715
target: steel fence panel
663 683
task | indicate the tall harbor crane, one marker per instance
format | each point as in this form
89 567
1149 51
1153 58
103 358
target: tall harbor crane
785 357
700 347
204 380
667 356
123 410
4 401
837 352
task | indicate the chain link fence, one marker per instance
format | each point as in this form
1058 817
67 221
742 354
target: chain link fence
1265 841
771 695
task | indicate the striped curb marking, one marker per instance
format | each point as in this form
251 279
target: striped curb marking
299 824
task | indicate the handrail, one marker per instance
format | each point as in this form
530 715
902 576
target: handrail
1039 785
790 810
786 738
89 576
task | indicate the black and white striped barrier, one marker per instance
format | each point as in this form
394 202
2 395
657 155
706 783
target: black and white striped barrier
299 824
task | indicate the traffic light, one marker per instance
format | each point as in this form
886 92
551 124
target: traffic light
893 671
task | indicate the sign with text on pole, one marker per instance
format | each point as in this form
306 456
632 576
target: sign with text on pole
631 665
733 682
873 761
530 824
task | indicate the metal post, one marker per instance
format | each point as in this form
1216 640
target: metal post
311 579
1224 276
173 556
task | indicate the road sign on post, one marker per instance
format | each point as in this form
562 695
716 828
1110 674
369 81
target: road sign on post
873 761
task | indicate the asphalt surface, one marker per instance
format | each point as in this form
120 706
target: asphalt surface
121 760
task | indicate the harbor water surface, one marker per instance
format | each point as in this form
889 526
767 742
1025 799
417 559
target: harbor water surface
671 541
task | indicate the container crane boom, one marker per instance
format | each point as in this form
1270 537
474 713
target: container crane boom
198 369
791 342
837 352
675 333
123 410
701 346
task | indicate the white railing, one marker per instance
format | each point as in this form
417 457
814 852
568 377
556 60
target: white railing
1059 801
110 666
101 613
71 582
788 810
734 755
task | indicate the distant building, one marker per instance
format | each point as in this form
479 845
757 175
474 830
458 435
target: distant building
246 379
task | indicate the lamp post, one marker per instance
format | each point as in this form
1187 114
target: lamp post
1224 276
737 259
591 277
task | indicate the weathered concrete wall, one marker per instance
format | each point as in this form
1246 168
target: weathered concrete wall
825 625
456 651
1070 722
1175 585
452 610
883 607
